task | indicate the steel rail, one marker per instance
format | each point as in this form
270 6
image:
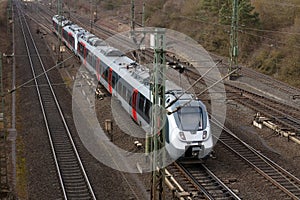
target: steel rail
205 180
63 178
277 175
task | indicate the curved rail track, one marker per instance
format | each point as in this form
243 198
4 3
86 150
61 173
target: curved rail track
282 179
71 173
276 84
286 115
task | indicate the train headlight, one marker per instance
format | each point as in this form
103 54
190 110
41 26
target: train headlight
204 135
181 135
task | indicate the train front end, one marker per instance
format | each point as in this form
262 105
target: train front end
189 134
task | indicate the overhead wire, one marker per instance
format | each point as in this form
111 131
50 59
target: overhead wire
30 80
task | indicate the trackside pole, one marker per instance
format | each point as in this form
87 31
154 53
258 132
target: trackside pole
158 114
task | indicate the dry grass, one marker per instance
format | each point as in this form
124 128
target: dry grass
273 50
3 26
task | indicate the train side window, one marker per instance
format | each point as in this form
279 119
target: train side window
106 74
71 40
123 92
130 99
147 108
88 58
101 65
128 95
141 102
87 52
81 49
167 130
65 34
113 81
93 61
119 87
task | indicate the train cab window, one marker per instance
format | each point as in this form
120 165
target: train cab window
190 118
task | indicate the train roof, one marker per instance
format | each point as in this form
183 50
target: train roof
61 20
75 28
136 75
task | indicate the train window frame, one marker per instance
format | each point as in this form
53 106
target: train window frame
130 100
141 105
147 108
123 91
65 35
113 81
72 41
87 53
101 66
94 61
178 119
128 95
81 49
119 87
105 74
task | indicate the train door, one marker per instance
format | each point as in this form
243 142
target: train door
110 80
133 104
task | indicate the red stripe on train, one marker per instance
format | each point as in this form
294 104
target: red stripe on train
110 80
133 104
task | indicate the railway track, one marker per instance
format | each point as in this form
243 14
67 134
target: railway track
72 178
285 115
293 92
199 182
268 169
279 177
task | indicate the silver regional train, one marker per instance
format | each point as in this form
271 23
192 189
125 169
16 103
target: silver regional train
188 129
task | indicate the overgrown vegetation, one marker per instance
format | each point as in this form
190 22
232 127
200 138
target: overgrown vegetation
269 30
3 6
4 43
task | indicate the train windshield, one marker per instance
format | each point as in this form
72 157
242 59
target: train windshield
190 119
